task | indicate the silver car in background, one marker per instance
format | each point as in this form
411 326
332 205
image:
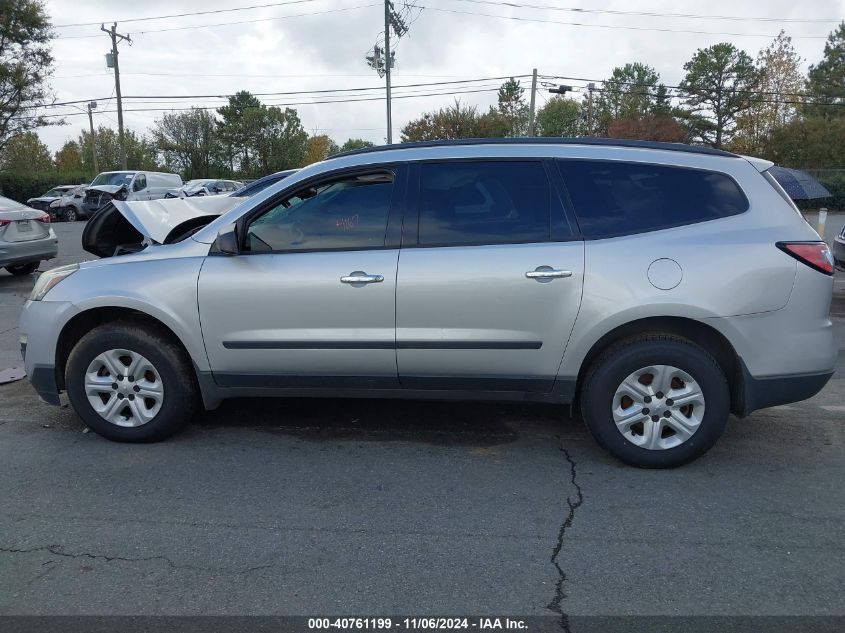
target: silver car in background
26 237
655 287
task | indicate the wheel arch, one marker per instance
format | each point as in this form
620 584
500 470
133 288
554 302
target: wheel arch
703 335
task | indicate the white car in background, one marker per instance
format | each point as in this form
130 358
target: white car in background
205 187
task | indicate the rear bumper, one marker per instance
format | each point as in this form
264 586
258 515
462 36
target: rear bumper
771 391
23 252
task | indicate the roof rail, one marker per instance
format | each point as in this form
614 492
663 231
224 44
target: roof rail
612 142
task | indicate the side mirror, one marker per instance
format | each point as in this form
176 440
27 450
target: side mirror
227 240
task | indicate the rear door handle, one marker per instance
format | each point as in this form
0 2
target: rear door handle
547 272
359 277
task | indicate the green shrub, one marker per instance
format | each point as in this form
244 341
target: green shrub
21 187
836 186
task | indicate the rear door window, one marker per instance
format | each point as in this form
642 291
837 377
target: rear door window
483 202
617 198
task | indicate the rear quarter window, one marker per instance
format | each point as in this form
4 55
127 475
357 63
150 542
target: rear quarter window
617 198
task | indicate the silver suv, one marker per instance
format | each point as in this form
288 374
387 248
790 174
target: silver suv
655 287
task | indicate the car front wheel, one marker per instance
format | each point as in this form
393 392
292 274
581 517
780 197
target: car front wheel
69 214
130 383
656 401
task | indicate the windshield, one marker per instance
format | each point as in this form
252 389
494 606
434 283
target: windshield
56 192
114 178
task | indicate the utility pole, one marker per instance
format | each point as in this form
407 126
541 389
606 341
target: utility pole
382 59
531 109
115 37
91 106
387 61
590 87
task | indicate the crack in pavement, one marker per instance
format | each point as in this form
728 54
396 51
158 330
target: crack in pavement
58 550
556 604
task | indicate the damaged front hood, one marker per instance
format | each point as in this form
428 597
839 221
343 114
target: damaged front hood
155 219
111 189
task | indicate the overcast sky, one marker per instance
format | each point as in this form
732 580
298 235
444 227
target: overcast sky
272 53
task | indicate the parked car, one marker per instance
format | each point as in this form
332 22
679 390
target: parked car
839 249
257 186
44 202
127 185
645 283
69 206
26 237
204 187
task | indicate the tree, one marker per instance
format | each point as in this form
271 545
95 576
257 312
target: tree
69 159
512 108
140 152
238 128
189 142
355 143
813 142
826 80
318 148
454 122
654 127
25 153
25 65
280 141
719 85
632 91
779 79
561 116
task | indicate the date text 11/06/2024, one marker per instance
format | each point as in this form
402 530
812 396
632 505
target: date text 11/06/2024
417 624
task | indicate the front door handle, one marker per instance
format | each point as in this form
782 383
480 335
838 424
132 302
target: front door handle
544 273
359 277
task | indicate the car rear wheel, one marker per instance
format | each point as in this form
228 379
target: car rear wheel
656 401
70 214
23 269
130 383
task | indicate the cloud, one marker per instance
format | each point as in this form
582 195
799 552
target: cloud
327 51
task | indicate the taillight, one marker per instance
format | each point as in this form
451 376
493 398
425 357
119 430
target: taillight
5 222
44 217
815 254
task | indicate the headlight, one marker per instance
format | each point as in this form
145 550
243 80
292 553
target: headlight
56 203
49 279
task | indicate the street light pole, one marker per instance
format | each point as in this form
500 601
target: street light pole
91 106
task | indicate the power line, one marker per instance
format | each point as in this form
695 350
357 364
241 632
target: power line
653 14
691 91
456 82
298 103
234 23
184 15
606 26
656 14
322 91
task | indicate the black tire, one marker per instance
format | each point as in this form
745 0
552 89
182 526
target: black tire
19 270
620 361
69 214
170 360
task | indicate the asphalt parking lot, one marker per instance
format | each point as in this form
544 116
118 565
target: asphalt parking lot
364 507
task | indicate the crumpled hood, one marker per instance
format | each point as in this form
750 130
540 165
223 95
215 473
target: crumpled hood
155 219
43 199
112 189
